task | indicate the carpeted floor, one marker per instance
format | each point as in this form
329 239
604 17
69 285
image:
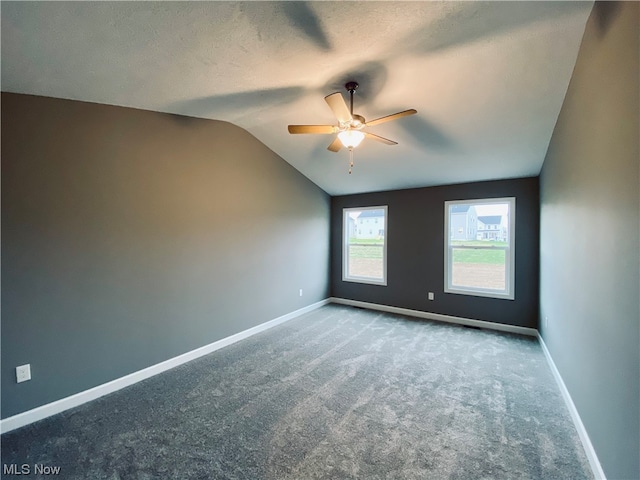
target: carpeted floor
338 393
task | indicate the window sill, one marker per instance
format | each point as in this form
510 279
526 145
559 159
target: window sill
368 281
480 293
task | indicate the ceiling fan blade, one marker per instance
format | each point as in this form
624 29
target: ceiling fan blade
335 146
339 107
318 129
379 138
394 116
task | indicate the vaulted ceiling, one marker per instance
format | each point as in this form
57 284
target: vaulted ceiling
487 78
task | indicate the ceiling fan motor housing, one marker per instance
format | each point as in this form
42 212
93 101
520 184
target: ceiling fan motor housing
358 121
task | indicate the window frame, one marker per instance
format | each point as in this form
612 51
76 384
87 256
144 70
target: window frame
509 291
345 243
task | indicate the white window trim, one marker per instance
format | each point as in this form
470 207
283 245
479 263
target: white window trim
509 293
345 241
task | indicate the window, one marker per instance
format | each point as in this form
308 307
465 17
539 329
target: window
364 254
477 263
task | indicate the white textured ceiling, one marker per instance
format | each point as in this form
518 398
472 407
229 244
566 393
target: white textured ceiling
487 78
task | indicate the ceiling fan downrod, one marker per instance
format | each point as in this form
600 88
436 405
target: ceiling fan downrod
351 87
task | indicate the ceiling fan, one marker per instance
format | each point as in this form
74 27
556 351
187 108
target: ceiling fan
350 125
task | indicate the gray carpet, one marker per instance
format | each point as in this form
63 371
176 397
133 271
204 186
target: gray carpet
337 393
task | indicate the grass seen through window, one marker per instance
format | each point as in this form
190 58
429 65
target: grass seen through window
484 254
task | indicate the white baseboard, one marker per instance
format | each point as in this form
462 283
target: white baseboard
598 473
44 411
438 317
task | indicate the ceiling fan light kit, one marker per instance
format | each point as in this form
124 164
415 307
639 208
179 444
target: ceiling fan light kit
350 125
351 138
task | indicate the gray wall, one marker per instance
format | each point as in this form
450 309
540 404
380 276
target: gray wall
415 251
130 237
590 255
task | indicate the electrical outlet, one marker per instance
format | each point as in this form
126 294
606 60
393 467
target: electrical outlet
300 292
23 373
430 295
